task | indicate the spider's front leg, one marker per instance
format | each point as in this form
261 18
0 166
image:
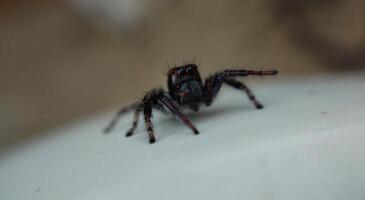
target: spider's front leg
161 100
214 83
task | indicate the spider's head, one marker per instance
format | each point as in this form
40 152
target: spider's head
185 85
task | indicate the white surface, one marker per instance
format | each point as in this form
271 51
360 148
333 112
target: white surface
308 143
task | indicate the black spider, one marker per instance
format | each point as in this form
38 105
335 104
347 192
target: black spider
185 89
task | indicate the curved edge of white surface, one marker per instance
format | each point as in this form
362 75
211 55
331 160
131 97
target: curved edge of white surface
308 143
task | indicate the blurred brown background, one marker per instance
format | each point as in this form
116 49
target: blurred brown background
63 60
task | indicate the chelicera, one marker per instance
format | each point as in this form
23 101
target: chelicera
186 89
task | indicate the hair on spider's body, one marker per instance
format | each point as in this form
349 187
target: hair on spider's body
186 89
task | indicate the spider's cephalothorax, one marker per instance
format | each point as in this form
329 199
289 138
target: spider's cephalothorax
185 86
186 89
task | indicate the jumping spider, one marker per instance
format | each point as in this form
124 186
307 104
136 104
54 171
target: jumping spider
185 89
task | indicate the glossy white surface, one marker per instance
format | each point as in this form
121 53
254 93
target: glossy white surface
308 143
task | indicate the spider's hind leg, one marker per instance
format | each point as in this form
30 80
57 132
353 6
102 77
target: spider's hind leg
112 124
135 122
148 123
242 86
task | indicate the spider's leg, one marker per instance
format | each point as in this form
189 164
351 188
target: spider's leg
242 72
160 100
147 119
212 86
174 110
241 86
149 101
118 115
159 106
214 83
135 122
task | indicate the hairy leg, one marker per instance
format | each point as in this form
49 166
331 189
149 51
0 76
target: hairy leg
148 123
242 72
161 100
214 83
135 122
241 86
166 101
112 124
137 112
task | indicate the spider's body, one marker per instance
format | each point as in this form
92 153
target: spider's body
185 86
186 89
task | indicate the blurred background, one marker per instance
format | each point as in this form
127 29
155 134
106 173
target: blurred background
64 60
